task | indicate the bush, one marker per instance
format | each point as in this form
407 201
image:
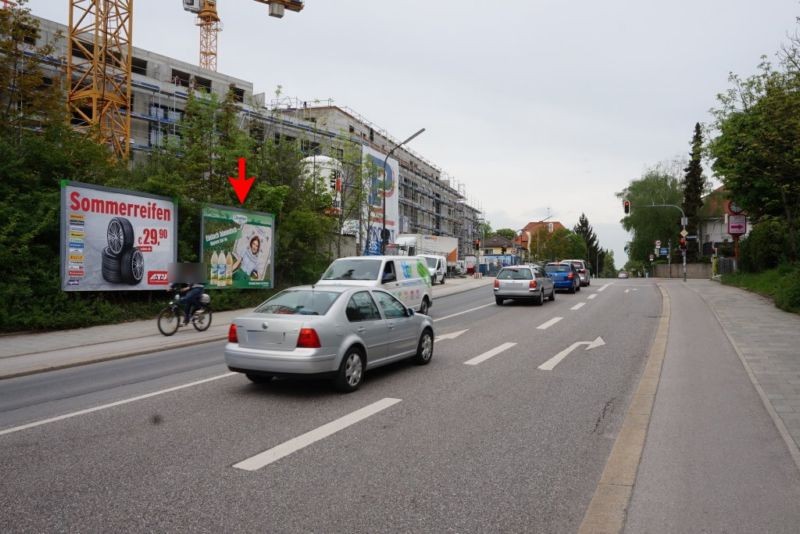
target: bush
765 247
788 295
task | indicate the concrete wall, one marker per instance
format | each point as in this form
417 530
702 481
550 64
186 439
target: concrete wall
693 270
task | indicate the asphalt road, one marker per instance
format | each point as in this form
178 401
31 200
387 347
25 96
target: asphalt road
479 440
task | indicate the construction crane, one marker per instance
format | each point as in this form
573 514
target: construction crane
99 53
210 25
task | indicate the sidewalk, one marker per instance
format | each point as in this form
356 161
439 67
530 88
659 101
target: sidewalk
26 354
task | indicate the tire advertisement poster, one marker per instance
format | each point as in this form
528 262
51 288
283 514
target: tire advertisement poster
237 248
115 240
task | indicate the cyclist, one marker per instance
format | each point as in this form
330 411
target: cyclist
190 298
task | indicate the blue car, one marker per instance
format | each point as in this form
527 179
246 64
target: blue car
564 275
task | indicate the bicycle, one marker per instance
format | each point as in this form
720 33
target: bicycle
171 317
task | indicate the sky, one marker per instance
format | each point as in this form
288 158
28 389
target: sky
538 107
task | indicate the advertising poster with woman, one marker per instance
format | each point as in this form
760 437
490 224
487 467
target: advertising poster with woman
237 248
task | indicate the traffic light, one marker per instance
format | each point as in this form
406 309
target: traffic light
476 244
682 243
626 204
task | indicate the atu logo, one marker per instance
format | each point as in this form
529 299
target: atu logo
157 278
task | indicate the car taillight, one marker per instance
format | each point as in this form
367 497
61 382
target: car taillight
532 284
232 337
496 283
571 276
308 339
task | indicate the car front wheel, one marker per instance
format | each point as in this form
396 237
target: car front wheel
424 348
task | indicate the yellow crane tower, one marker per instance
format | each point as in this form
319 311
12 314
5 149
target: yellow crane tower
210 25
99 70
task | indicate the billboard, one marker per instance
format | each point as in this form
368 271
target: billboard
237 248
377 187
115 240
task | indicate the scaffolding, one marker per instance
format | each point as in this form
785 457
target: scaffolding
99 70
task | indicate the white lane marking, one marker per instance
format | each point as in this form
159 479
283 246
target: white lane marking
486 355
550 364
111 405
548 324
451 335
462 312
295 444
593 296
578 306
603 288
627 290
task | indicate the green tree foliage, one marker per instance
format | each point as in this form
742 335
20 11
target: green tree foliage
694 185
659 185
609 270
562 244
757 149
765 247
508 233
592 251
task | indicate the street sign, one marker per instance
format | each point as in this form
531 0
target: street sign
737 224
664 251
658 243
652 257
684 221
684 233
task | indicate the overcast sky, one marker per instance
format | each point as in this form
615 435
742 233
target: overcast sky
533 105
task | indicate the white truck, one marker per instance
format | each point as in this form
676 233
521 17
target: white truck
430 245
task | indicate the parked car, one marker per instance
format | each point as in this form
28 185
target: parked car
523 282
583 272
564 276
405 277
332 331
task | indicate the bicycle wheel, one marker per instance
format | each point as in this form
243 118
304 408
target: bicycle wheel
202 319
168 321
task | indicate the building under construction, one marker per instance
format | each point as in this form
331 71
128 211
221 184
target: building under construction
430 201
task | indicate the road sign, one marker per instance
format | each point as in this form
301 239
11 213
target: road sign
664 251
658 243
684 233
652 257
684 221
737 224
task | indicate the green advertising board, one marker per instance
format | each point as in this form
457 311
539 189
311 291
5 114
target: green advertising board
238 248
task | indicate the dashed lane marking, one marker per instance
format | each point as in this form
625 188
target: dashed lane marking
578 306
486 355
548 324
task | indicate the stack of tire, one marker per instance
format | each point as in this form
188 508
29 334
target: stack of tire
122 262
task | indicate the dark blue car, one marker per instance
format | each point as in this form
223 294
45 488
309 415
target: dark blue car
564 275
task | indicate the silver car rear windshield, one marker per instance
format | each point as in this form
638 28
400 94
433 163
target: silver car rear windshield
299 302
353 270
515 274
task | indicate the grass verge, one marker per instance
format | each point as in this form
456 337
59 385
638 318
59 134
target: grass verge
781 284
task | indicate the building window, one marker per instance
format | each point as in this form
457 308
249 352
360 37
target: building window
181 78
203 84
139 66
309 148
238 94
337 153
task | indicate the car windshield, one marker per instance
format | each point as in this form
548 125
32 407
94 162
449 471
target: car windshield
345 269
557 269
431 262
299 302
514 274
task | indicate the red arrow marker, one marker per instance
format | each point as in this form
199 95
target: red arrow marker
242 184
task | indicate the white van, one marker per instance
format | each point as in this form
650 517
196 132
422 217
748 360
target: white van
405 277
437 266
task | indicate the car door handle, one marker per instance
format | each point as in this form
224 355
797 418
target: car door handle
361 329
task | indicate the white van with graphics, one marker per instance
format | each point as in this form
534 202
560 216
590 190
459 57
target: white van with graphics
405 277
437 266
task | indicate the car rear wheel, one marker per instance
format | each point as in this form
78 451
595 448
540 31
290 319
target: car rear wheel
425 306
424 348
539 300
351 371
553 294
572 289
498 301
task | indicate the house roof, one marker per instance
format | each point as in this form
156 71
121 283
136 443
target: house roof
497 241
533 228
715 204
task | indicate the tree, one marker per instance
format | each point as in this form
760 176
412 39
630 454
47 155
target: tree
694 185
658 185
609 270
591 251
757 149
562 244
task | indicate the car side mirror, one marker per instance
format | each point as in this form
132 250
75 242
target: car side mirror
388 277
410 312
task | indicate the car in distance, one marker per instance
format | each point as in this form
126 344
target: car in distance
622 274
583 272
523 282
564 276
330 331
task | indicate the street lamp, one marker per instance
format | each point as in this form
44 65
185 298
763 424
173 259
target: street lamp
384 231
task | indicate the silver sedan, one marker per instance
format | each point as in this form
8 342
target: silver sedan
523 282
333 331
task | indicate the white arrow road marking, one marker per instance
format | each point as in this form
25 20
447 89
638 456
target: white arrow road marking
578 306
463 312
486 355
548 324
593 296
555 360
293 445
603 288
451 335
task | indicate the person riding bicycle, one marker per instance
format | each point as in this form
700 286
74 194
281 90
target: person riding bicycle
190 298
